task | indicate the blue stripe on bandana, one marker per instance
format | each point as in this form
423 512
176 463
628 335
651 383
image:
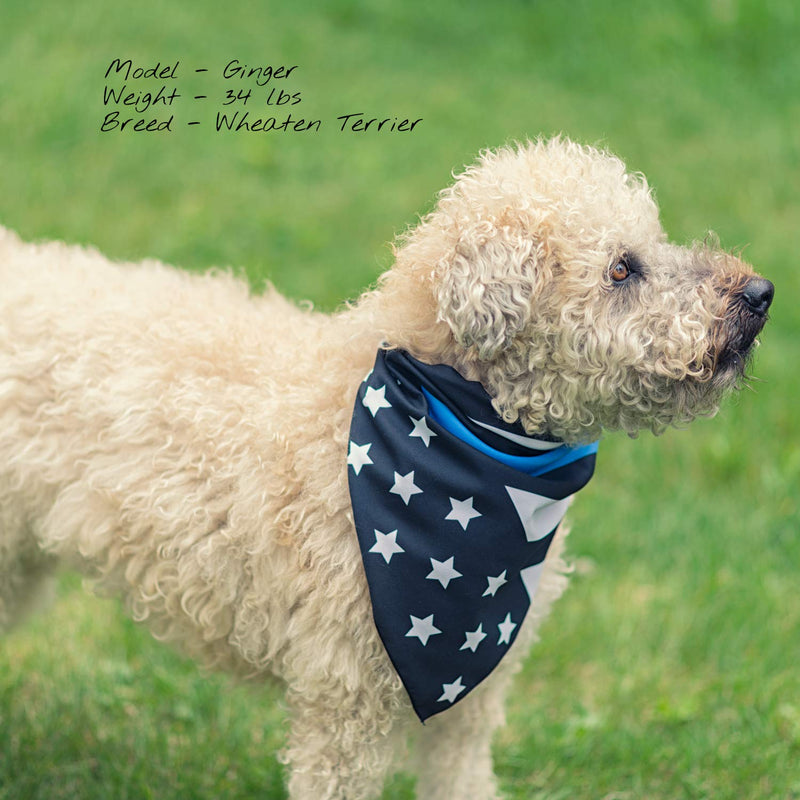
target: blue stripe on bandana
546 461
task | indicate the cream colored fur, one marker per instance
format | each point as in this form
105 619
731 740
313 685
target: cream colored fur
184 443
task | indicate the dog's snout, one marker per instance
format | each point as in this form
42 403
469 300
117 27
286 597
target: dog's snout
758 294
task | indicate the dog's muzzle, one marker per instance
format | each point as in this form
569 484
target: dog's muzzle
747 315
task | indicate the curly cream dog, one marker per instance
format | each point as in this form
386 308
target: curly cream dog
185 443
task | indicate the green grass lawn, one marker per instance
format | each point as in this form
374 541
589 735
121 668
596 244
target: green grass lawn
670 668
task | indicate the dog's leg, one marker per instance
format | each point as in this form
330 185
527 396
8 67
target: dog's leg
25 571
341 745
26 584
453 750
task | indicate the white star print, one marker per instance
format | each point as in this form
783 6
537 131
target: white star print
506 628
386 545
368 375
462 511
375 399
404 486
358 457
495 584
423 629
450 691
473 639
443 571
421 430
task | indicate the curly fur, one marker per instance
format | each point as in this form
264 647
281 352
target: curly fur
184 443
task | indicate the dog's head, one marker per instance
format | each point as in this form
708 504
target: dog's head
550 279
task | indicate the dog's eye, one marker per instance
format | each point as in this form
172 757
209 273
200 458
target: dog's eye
620 271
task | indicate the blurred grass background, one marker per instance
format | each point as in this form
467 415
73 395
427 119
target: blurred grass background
670 669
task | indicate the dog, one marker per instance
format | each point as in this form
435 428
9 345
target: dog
190 447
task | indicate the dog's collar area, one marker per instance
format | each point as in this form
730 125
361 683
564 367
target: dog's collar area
548 455
464 405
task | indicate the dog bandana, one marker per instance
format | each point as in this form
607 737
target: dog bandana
454 511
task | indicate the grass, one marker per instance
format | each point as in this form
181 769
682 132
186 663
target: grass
669 670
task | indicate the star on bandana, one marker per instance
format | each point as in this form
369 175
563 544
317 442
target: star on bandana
443 571
386 545
423 629
494 584
375 399
404 486
421 430
506 628
462 511
473 639
358 457
450 691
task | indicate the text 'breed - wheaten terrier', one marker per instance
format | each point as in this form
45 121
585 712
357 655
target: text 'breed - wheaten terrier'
365 505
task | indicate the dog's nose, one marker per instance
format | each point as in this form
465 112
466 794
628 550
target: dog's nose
758 294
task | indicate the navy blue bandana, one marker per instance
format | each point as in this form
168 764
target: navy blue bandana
454 511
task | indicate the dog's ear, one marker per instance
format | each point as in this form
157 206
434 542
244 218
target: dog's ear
487 286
